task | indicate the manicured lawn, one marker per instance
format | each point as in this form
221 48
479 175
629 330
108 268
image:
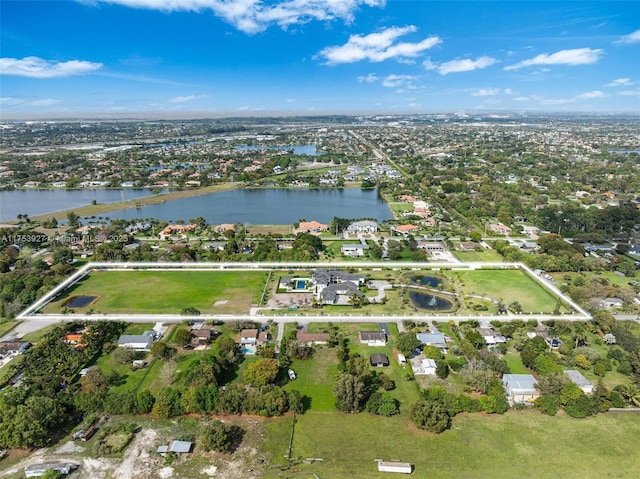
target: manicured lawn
315 378
169 291
486 255
508 285
516 444
515 363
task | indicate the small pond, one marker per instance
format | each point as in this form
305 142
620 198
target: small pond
81 301
429 281
430 301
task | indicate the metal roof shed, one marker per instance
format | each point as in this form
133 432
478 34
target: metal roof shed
180 447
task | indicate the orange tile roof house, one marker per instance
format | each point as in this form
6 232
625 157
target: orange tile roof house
312 227
405 229
500 229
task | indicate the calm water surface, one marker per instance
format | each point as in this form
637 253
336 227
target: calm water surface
268 206
40 202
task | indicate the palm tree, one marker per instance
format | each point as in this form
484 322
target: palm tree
632 394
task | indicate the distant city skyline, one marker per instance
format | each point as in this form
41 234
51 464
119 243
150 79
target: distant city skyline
198 58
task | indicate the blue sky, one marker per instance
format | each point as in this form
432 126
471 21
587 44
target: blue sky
183 58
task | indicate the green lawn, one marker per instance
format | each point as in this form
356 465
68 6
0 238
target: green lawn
168 291
486 255
508 285
516 444
315 378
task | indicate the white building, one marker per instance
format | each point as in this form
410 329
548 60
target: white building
365 226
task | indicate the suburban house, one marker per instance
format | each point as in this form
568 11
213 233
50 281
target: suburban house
201 336
354 250
491 337
311 339
223 228
365 226
531 231
500 229
430 245
578 379
252 338
312 227
138 342
373 338
521 388
176 229
13 347
379 360
405 230
436 339
613 303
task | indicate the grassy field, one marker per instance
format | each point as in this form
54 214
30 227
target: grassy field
516 444
168 291
486 255
508 285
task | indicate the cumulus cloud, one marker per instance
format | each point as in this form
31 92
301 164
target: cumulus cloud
35 67
591 94
633 37
370 78
392 81
461 65
576 56
378 47
184 99
620 82
629 93
486 92
253 16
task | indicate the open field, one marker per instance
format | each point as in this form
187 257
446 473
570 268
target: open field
508 285
484 255
168 292
516 444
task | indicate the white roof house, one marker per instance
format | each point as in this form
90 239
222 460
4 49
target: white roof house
364 226
577 378
521 388
140 342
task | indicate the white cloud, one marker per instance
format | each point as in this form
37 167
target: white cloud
457 66
620 82
633 37
13 101
486 92
592 94
252 16
291 100
35 67
378 47
392 81
370 78
629 93
576 56
184 99
508 91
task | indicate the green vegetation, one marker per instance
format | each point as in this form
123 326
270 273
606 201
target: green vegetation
169 291
496 446
508 285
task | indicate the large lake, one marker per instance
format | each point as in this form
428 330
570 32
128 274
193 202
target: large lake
268 206
40 202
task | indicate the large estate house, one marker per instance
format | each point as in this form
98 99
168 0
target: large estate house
336 287
365 226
